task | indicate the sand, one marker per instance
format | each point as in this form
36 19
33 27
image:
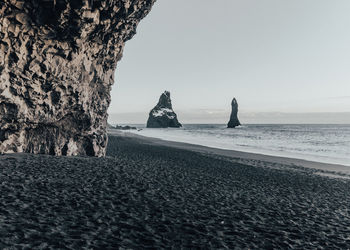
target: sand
148 195
325 169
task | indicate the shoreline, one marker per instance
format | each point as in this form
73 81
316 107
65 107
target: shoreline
322 143
254 159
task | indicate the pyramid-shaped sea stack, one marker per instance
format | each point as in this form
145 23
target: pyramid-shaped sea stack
163 115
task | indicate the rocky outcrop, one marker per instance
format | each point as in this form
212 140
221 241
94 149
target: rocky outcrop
127 127
163 115
110 126
234 122
57 61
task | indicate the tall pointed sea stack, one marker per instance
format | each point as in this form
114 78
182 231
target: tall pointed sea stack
57 62
234 122
163 115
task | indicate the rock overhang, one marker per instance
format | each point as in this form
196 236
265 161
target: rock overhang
57 62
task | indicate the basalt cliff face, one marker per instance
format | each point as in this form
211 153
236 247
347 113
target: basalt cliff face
57 61
234 122
163 115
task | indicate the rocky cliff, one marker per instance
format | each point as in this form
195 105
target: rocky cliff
57 61
234 122
163 115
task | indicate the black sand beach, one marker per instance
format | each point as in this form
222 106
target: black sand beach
144 195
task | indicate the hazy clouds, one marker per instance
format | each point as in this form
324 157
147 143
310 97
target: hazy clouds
222 117
273 55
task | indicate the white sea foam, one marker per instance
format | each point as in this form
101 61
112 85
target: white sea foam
322 143
164 111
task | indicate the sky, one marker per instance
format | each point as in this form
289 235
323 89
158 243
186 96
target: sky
275 56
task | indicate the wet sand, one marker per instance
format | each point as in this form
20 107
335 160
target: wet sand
148 195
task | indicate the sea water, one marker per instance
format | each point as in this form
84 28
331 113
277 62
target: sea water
322 143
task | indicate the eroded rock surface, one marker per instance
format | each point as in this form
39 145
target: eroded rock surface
234 122
163 115
57 62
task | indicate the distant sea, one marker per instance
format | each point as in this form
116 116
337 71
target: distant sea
322 143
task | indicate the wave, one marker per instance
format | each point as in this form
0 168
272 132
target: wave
324 143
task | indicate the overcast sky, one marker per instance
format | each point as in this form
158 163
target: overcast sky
272 55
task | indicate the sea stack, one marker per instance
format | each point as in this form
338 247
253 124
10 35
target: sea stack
57 63
163 115
234 122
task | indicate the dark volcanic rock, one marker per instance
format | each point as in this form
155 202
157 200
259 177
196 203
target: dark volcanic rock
127 127
234 122
110 126
57 61
163 115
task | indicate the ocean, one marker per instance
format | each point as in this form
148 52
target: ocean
321 143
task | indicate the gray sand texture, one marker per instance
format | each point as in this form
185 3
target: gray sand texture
144 195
